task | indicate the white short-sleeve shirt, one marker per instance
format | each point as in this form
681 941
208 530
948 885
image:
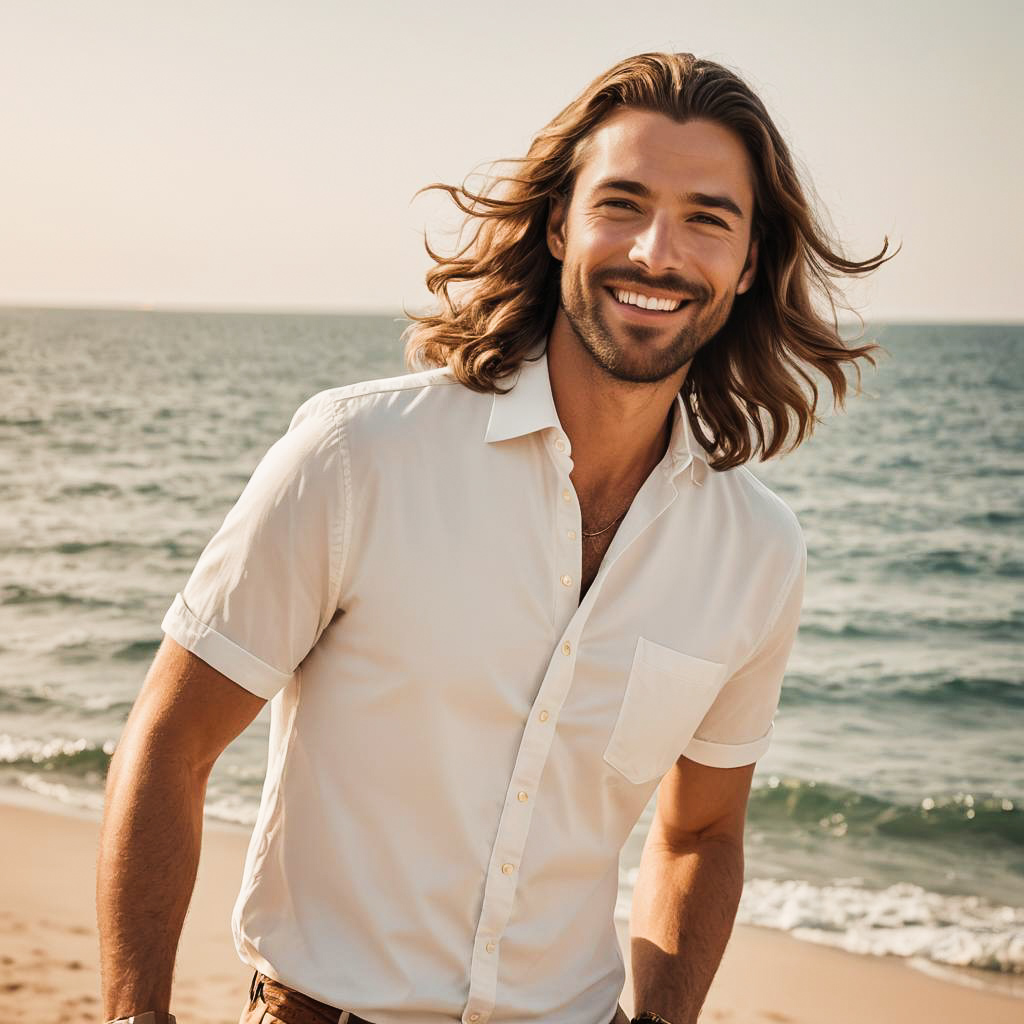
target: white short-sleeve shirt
459 747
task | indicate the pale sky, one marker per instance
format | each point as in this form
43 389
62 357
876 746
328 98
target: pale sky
257 155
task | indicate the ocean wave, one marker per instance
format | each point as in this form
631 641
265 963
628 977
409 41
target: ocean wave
929 688
992 518
955 562
72 772
893 626
173 547
956 689
23 700
17 594
90 488
833 810
139 650
902 920
71 757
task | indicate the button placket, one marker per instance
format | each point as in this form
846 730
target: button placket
513 827
569 551
503 870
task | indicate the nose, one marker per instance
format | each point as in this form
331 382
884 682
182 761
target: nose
656 247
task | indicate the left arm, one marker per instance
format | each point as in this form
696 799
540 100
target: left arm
688 887
691 869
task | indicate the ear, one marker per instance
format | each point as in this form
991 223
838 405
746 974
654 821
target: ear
749 269
557 206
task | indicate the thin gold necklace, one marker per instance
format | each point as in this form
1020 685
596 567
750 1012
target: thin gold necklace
597 533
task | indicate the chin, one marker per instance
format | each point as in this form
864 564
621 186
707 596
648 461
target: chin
638 363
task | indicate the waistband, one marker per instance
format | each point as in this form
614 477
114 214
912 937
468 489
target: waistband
293 1007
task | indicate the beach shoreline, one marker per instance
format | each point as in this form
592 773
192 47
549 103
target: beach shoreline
49 963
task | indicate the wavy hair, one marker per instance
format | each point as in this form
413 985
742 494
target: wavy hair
499 292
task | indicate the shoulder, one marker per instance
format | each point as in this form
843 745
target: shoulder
762 514
352 401
403 417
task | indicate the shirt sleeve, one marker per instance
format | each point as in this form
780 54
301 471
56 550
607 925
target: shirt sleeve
267 584
737 729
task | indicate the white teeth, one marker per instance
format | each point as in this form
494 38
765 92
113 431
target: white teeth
647 301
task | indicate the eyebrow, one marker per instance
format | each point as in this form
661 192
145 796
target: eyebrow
637 188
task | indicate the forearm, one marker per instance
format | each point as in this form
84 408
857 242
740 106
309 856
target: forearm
684 905
148 858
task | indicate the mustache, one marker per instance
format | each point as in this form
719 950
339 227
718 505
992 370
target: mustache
668 283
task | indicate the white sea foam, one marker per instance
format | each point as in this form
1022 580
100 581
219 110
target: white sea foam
903 920
18 748
82 799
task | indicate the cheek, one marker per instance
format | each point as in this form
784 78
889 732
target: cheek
593 242
723 266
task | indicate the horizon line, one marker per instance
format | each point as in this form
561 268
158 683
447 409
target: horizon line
240 310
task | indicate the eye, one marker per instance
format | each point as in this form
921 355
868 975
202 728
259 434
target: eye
620 204
708 219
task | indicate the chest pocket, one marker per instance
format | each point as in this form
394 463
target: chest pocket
667 696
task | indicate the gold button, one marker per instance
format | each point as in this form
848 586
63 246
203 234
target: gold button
566 495
567 648
522 797
571 534
560 445
543 716
507 869
490 947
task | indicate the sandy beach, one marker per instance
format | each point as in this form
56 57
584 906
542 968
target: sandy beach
49 956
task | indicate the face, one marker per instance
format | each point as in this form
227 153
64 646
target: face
654 242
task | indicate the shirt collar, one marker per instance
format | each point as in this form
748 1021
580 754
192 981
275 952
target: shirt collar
529 407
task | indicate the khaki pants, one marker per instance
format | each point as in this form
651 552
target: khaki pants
270 1002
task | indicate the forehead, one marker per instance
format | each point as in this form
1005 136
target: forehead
666 155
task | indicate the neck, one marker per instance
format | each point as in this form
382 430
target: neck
618 430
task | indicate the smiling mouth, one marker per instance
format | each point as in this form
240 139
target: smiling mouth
642 302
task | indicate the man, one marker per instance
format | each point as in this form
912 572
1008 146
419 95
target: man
498 601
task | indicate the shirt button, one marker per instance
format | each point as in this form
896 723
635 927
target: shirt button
507 869
567 495
474 1016
567 648
566 581
490 947
560 445
522 797
571 534
543 716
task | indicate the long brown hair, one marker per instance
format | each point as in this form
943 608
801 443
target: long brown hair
499 292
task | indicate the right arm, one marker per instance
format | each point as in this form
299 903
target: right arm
184 717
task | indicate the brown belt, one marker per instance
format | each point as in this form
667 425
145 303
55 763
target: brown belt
293 1007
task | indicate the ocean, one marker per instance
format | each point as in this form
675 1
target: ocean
888 816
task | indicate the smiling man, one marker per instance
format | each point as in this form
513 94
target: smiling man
642 177
500 601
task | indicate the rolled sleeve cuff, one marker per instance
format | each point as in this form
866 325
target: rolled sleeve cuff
728 755
221 653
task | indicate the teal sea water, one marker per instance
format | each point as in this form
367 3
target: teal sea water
888 816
